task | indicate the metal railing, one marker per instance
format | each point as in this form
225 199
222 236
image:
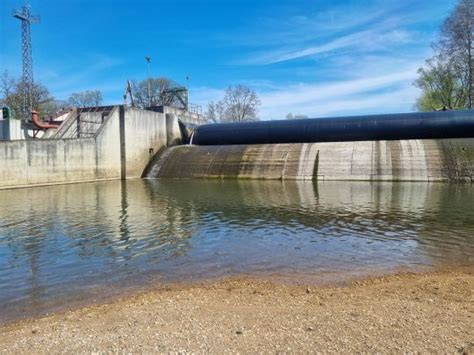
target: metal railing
84 122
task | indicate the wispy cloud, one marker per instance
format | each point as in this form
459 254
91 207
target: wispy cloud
380 93
301 93
369 40
386 90
361 58
202 95
358 28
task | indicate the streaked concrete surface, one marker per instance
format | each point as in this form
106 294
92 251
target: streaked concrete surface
106 155
404 160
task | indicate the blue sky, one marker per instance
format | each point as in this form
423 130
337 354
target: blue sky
318 58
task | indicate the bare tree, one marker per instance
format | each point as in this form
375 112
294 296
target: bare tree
12 89
457 42
140 91
86 98
215 112
239 104
7 85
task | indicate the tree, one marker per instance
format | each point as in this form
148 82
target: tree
457 42
147 92
7 84
448 78
240 104
297 116
12 96
215 112
86 99
442 85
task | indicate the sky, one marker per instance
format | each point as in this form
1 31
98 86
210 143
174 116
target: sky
317 58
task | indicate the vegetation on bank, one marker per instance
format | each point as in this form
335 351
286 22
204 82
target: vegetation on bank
447 79
11 95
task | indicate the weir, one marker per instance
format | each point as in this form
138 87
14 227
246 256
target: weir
432 146
118 142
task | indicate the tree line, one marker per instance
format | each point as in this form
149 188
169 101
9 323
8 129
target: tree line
11 90
47 105
446 80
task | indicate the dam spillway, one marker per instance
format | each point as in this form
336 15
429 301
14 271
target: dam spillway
433 146
398 160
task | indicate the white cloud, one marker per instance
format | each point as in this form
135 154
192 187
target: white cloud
203 95
361 29
363 59
377 93
398 99
297 94
385 91
368 40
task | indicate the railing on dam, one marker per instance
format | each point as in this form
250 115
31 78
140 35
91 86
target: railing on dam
83 122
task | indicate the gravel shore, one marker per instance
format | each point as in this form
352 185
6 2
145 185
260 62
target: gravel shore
403 313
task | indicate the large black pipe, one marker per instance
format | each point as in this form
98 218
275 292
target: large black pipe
423 125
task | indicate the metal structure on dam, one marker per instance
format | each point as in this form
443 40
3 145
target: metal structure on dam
422 125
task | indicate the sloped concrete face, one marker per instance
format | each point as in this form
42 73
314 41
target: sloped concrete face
408 160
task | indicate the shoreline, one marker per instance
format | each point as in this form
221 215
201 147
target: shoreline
100 295
431 311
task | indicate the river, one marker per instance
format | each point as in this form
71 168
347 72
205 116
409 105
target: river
76 244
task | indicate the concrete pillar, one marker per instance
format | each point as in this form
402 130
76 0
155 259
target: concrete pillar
173 133
11 130
123 143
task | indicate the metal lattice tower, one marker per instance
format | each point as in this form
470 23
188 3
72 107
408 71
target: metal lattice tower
27 80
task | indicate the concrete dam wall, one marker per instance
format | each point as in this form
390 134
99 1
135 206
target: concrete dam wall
118 145
395 160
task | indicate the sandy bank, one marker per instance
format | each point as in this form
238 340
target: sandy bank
427 313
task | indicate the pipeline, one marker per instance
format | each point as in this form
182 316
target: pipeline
421 125
41 124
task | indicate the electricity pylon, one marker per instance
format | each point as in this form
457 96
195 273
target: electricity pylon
27 80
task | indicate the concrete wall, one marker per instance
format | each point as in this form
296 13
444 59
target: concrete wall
149 132
127 140
409 160
189 117
10 129
121 148
4 130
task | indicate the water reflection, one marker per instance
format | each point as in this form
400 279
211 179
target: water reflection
65 242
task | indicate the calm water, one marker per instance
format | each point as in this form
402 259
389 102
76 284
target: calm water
67 243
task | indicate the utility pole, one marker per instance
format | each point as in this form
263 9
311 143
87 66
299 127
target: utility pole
187 93
148 60
27 80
